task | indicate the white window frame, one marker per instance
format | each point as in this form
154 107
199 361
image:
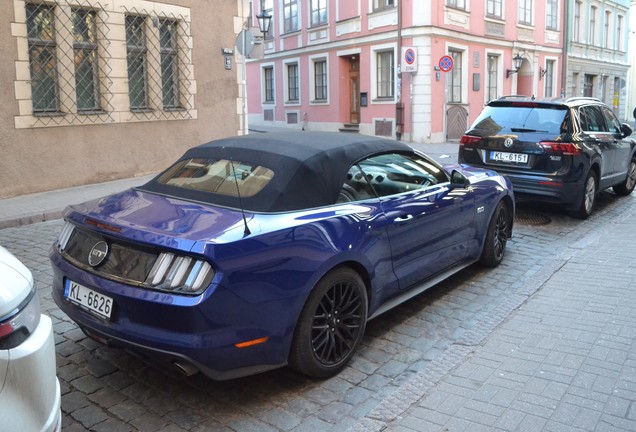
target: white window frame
286 63
312 79
500 72
374 73
264 100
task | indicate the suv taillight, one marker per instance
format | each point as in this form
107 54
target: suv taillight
469 141
560 148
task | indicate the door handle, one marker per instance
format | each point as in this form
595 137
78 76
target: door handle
403 219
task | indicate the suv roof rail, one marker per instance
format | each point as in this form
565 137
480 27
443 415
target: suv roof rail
582 98
506 97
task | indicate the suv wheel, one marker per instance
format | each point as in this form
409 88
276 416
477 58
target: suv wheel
626 187
586 202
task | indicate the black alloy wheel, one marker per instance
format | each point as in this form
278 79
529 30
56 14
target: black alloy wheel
497 236
331 325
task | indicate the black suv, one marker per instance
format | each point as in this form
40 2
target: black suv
555 150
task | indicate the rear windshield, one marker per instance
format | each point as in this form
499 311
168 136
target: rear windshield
218 176
521 119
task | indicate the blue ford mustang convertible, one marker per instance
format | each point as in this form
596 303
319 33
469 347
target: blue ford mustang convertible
265 250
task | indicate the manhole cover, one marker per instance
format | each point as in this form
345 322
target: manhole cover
532 219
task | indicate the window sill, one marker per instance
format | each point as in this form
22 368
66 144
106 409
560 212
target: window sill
48 114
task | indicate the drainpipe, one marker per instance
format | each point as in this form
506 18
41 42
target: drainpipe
566 43
399 108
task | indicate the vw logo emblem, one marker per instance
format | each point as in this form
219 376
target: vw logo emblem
98 253
508 142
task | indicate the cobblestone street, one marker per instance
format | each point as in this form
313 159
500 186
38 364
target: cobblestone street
406 353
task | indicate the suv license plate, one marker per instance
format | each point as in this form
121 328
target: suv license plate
93 301
508 157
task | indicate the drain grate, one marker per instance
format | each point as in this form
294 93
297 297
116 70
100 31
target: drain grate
532 219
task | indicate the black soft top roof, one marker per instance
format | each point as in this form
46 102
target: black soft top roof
309 167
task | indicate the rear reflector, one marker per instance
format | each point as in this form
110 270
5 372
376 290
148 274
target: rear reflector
567 149
252 342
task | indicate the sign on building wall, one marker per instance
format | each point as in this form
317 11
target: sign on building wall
409 59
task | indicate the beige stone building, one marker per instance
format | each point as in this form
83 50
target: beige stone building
94 90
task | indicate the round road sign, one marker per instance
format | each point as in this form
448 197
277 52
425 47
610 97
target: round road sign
409 56
446 63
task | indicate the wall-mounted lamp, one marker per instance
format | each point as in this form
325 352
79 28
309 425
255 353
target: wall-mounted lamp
264 21
516 64
542 72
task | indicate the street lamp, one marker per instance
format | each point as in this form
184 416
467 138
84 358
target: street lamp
516 64
264 21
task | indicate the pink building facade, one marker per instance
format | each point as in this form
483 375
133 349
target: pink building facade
415 70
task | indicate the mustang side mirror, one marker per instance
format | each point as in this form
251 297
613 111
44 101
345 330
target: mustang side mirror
459 180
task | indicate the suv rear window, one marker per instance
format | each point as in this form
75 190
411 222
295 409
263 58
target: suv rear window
521 118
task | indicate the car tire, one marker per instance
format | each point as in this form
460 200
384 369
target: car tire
625 188
588 197
497 236
331 324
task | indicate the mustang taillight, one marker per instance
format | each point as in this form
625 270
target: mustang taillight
65 235
469 141
560 148
180 274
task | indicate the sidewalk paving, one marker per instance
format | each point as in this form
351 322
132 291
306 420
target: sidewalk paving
563 361
43 206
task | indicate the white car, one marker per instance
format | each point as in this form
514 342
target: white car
29 389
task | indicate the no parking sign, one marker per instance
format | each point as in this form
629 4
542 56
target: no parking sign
409 59
446 63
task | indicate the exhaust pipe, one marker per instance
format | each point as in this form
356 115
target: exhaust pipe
186 368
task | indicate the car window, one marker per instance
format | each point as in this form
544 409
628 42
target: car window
395 173
613 125
219 176
592 119
356 187
517 118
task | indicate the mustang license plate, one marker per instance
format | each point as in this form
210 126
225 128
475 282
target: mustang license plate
93 301
508 157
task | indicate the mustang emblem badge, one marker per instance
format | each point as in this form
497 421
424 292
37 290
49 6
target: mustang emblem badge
98 253
508 142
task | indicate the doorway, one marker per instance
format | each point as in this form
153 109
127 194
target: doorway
354 90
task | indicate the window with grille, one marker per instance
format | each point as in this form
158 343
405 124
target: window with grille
169 63
552 15
318 12
268 79
42 58
493 76
493 8
320 80
292 82
136 53
290 15
73 68
86 60
525 12
385 74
